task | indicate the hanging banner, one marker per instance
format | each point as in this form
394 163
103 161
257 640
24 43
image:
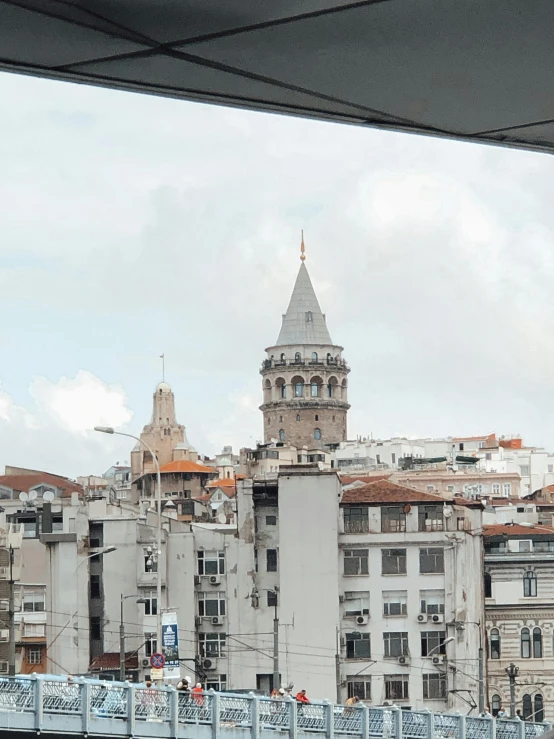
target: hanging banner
170 646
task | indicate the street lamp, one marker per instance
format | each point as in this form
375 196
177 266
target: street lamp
122 636
110 430
98 553
512 671
439 646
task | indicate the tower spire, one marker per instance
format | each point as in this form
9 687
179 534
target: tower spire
302 248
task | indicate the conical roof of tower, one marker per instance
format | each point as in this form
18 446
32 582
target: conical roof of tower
303 323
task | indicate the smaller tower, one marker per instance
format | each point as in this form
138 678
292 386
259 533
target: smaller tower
305 385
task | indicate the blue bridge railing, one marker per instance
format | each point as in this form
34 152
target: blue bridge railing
46 703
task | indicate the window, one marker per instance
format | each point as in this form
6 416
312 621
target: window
496 489
211 563
298 358
356 520
211 604
150 644
524 470
330 390
551 468
298 416
271 520
95 628
283 390
95 586
537 643
527 707
314 390
215 682
431 601
281 434
317 434
314 355
150 561
356 562
461 447
495 644
271 560
393 561
430 518
36 630
395 602
395 643
356 603
316 417
462 524
150 605
507 489
272 599
434 686
34 655
431 560
378 458
539 708
488 585
396 687
359 686
33 600
393 519
29 527
212 645
358 646
432 642
450 488
529 585
298 389
525 643
496 704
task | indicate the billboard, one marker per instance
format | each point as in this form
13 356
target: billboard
170 646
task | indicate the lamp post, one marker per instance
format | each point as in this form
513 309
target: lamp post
110 430
512 671
439 646
122 635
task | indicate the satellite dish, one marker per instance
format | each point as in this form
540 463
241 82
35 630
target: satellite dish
48 496
33 494
222 518
23 497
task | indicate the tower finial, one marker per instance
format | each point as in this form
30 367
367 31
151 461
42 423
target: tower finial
302 249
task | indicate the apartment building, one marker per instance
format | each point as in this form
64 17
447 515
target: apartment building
519 611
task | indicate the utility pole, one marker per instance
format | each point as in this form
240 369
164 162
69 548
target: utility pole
121 644
11 619
276 675
337 670
512 671
481 679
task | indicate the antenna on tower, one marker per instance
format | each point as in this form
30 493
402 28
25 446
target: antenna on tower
162 357
302 249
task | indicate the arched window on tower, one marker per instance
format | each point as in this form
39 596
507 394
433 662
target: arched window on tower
488 585
298 416
525 643
283 358
298 358
281 387
332 387
315 385
529 585
298 385
314 356
317 434
537 643
495 644
281 435
309 316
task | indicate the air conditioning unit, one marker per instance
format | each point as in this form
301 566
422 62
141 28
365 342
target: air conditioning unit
145 663
437 618
341 598
217 620
198 620
4 634
215 580
423 618
208 664
436 660
361 620
403 660
4 605
197 580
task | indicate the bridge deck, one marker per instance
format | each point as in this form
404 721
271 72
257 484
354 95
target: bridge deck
54 705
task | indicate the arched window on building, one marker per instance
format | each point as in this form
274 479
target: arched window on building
495 644
496 704
525 643
298 358
281 435
537 643
526 707
314 356
315 386
298 416
283 358
317 434
539 708
309 316
488 585
332 387
298 386
529 585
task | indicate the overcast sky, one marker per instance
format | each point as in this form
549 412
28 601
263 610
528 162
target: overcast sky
134 225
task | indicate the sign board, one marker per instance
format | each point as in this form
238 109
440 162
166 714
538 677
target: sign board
156 673
170 646
157 660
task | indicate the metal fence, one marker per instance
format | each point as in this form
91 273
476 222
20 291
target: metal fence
72 706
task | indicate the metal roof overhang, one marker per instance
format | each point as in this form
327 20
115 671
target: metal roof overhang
472 70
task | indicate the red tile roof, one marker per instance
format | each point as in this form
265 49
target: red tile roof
110 661
516 529
222 482
474 438
383 491
185 465
23 483
349 479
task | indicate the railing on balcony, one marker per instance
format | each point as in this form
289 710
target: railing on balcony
47 703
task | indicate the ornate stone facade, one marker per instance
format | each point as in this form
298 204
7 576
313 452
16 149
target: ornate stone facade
305 378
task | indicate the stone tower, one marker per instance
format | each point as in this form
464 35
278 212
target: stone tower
304 376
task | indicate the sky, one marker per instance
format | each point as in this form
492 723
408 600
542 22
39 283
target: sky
134 226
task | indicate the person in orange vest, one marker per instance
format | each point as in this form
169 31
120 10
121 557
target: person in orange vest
198 694
301 697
